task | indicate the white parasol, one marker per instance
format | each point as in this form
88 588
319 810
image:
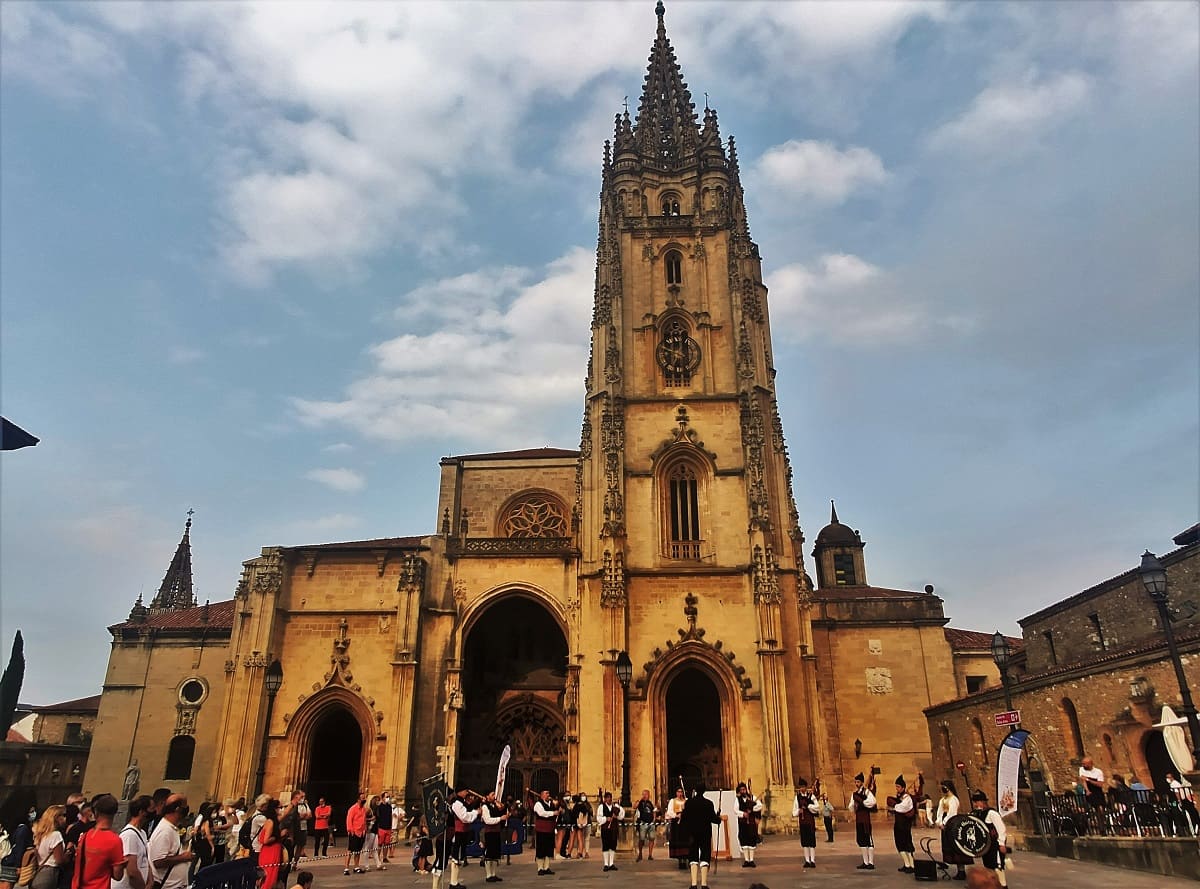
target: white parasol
1175 739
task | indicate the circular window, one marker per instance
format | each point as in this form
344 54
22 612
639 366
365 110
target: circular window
192 691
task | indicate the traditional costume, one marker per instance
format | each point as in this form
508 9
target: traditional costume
494 816
862 804
749 811
461 815
805 810
545 819
904 812
610 816
699 815
993 859
947 809
677 838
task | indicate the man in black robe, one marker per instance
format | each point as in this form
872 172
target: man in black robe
699 816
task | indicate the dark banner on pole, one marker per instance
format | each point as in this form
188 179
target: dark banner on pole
437 808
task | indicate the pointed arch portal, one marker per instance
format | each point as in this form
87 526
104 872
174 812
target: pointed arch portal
695 747
514 675
335 749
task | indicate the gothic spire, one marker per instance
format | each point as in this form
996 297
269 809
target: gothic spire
833 519
176 588
666 120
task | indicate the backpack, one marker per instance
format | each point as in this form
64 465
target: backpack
244 838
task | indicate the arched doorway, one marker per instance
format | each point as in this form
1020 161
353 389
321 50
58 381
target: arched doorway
1158 760
695 748
514 674
335 760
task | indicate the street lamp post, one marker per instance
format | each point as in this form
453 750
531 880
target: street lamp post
1154 579
624 675
272 679
1001 655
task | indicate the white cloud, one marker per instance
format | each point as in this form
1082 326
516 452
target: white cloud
342 479
65 58
817 170
338 447
304 531
185 355
846 299
1005 116
506 352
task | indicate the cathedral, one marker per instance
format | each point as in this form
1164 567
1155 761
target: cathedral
639 603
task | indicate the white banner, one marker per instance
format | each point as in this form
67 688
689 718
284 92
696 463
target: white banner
1008 770
504 757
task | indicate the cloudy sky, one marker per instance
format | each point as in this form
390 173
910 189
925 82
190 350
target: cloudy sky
271 261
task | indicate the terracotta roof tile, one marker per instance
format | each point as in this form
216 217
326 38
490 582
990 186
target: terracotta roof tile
377 543
79 705
526 454
973 640
215 615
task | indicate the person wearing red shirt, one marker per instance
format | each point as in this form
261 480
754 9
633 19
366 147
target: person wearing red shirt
321 815
100 857
356 833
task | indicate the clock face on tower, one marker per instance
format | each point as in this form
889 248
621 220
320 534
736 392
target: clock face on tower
677 352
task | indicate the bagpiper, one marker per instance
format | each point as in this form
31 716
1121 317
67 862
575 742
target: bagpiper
545 819
862 804
494 814
610 816
699 815
749 811
805 810
993 858
463 812
904 812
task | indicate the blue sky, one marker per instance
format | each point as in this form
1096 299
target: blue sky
272 261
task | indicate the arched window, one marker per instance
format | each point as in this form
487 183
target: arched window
981 753
674 264
670 204
683 507
179 758
1074 736
535 515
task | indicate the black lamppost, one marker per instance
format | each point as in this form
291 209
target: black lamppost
624 675
272 679
1001 655
1154 579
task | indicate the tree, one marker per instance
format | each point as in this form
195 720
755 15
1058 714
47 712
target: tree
10 685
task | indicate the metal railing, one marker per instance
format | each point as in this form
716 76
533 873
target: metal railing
1132 813
236 874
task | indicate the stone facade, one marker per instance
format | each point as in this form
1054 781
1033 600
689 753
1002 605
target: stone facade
671 535
1087 698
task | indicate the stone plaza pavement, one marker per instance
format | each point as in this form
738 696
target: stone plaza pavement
779 867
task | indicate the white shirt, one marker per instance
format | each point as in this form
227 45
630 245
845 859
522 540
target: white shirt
613 811
462 813
868 800
674 808
756 806
947 809
813 806
164 843
993 818
133 841
903 805
45 850
1095 773
490 819
544 810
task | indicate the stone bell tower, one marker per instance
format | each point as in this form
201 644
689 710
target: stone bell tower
687 526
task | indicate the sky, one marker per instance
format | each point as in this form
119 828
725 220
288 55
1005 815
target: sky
272 261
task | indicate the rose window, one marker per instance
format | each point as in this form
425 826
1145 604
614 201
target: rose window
536 517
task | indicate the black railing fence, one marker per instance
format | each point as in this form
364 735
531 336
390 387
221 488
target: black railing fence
239 873
1132 813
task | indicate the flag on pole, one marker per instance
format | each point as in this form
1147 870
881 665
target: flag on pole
500 772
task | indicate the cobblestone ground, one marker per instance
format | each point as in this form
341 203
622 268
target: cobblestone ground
779 867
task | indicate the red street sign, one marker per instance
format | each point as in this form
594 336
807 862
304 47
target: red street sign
1011 717
960 765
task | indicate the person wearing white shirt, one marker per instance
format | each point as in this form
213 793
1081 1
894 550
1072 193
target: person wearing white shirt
168 860
545 816
462 814
947 809
1183 792
1092 779
862 804
749 811
993 859
805 809
136 845
904 812
609 815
